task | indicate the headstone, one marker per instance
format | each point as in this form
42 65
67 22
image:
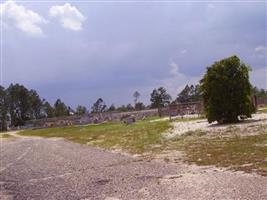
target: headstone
128 119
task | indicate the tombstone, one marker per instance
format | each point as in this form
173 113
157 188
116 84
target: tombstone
128 119
96 121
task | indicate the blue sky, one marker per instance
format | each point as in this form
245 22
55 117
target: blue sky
81 51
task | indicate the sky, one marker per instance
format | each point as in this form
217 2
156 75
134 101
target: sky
80 51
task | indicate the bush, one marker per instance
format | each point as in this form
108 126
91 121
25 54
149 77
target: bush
227 91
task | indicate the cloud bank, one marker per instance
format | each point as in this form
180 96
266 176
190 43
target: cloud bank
69 16
22 18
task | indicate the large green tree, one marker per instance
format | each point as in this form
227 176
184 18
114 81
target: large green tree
227 91
3 109
19 105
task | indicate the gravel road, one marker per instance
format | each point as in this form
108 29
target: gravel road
39 168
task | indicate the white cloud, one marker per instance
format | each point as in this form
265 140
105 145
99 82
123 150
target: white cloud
22 18
174 68
258 77
69 16
260 49
178 80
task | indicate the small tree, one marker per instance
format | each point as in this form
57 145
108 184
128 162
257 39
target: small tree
140 106
189 94
48 110
36 105
136 96
227 91
81 110
129 107
159 98
99 106
259 92
60 108
112 108
122 108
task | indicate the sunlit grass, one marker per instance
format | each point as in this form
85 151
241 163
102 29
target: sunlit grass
136 138
5 135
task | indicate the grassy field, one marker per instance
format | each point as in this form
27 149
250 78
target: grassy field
246 153
140 137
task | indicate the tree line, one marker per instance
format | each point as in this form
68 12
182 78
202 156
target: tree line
19 104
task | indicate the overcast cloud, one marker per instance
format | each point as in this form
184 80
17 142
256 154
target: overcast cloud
110 50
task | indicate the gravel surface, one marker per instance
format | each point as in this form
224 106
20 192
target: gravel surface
39 168
180 128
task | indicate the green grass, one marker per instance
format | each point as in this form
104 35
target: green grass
5 135
140 137
246 153
263 109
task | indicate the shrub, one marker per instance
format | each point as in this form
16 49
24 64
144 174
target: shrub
227 91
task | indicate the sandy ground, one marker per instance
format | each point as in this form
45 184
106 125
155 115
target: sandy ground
180 128
39 168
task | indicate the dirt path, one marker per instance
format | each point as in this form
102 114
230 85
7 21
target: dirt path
39 168
14 134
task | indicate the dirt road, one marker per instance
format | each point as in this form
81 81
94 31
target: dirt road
38 168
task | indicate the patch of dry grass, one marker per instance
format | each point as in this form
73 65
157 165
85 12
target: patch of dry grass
245 153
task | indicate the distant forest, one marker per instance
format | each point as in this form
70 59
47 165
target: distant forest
19 104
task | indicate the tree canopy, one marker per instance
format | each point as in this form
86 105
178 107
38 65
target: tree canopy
136 96
227 91
60 108
159 98
81 110
259 92
99 106
189 94
19 104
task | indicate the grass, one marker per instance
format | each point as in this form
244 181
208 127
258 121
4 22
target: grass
246 153
263 109
140 137
5 135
